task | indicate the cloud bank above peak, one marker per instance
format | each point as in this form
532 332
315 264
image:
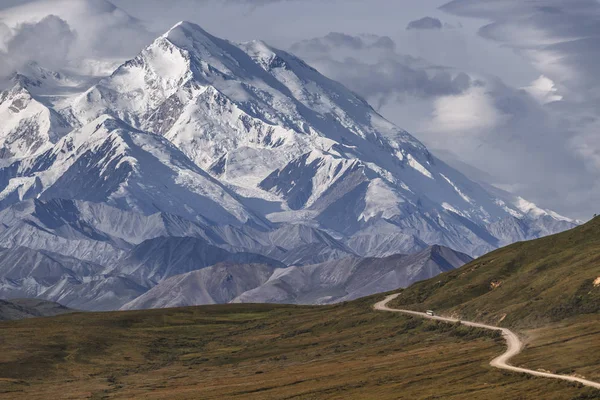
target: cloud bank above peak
561 39
65 33
507 86
370 65
49 40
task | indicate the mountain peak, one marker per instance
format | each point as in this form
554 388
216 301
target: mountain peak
33 76
186 26
250 114
188 35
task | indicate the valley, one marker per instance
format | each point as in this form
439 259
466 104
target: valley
189 214
346 350
245 351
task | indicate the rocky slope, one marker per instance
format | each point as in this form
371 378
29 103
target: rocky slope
329 282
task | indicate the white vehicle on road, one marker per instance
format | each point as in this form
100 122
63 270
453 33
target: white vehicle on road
430 313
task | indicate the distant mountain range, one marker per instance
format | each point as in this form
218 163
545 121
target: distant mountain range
206 171
73 253
329 282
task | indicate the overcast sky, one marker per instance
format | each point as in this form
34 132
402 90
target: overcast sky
507 86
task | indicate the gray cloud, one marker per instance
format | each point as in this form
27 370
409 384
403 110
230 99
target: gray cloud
521 142
561 38
335 41
13 3
391 76
329 42
425 23
48 42
562 41
370 65
62 33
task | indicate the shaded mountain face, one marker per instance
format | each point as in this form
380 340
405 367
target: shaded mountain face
30 273
350 278
200 151
96 257
101 233
53 277
328 282
157 259
218 284
30 308
89 286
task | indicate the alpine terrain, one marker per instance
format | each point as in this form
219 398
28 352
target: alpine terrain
205 171
521 322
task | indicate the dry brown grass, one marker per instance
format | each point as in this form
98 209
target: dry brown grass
570 347
257 352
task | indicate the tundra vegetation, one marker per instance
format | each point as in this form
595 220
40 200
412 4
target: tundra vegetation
248 351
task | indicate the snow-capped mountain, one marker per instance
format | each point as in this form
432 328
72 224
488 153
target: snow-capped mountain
97 232
201 151
27 125
272 128
108 161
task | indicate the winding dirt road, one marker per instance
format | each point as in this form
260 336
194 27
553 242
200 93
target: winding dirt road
512 340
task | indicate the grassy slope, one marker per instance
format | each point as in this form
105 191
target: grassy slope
257 352
543 289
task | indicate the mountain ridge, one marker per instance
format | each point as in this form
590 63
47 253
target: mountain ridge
332 281
315 146
200 150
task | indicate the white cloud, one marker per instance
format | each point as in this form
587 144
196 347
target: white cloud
544 90
473 110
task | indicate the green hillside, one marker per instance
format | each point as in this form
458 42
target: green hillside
525 285
546 290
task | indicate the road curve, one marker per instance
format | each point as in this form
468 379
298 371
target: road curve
513 342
